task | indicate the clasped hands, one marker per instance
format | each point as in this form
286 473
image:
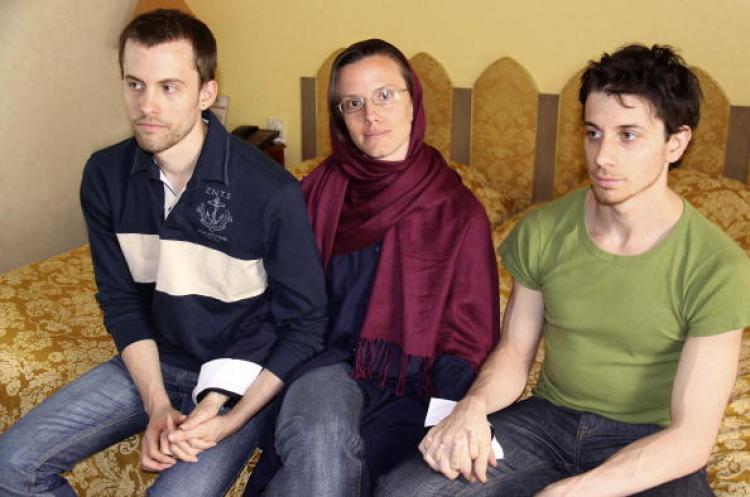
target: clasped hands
171 435
461 444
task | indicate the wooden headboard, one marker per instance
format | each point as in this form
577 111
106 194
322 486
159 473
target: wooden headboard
527 142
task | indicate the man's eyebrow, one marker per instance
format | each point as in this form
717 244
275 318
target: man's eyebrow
619 126
161 82
171 80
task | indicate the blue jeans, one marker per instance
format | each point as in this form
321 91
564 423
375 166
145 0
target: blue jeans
98 409
543 443
318 437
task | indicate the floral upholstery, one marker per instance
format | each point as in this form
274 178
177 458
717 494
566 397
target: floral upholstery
707 148
51 331
438 101
570 161
503 128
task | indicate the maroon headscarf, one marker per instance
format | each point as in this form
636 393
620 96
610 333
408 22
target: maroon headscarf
417 207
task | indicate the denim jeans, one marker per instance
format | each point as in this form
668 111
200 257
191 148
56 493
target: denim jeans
318 438
97 410
543 443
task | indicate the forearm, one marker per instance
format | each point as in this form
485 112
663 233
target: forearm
142 361
260 393
206 426
703 382
505 372
644 464
500 381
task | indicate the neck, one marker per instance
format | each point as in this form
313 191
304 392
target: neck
178 162
636 225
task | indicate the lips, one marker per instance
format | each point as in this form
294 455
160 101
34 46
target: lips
374 134
606 182
149 126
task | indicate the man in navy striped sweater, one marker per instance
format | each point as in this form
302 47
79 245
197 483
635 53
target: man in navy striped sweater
208 278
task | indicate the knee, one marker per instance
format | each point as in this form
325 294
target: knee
16 461
321 408
317 431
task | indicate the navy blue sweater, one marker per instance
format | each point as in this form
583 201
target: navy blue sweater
232 272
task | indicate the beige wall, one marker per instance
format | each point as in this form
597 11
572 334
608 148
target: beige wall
266 46
60 101
60 86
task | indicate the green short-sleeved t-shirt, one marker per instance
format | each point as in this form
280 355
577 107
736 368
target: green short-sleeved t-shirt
614 326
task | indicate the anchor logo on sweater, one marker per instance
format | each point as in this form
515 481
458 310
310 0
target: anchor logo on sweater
211 219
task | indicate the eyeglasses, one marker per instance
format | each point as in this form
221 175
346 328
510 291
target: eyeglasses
382 97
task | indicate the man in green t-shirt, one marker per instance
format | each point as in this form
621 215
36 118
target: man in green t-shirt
641 302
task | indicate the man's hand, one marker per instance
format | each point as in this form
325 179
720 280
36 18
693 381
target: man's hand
187 442
206 409
155 451
204 436
461 443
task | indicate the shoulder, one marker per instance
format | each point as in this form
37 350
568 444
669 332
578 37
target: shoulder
107 170
562 215
257 174
119 155
710 247
714 277
566 207
544 231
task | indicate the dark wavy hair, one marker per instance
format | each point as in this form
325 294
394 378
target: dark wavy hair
657 74
355 53
164 25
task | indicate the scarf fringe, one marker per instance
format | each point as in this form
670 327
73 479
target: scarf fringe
380 361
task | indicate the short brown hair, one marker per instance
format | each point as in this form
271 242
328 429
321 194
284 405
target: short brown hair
164 25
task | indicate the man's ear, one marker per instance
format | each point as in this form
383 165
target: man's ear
207 94
677 143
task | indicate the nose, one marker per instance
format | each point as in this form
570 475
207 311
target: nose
370 111
149 104
604 155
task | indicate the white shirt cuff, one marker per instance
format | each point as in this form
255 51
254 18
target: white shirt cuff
232 375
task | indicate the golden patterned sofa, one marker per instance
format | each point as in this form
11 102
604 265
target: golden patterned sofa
51 331
51 328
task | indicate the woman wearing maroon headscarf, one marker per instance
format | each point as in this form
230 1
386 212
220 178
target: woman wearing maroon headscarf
412 285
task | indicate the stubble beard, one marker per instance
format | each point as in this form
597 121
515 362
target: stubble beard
156 143
611 202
